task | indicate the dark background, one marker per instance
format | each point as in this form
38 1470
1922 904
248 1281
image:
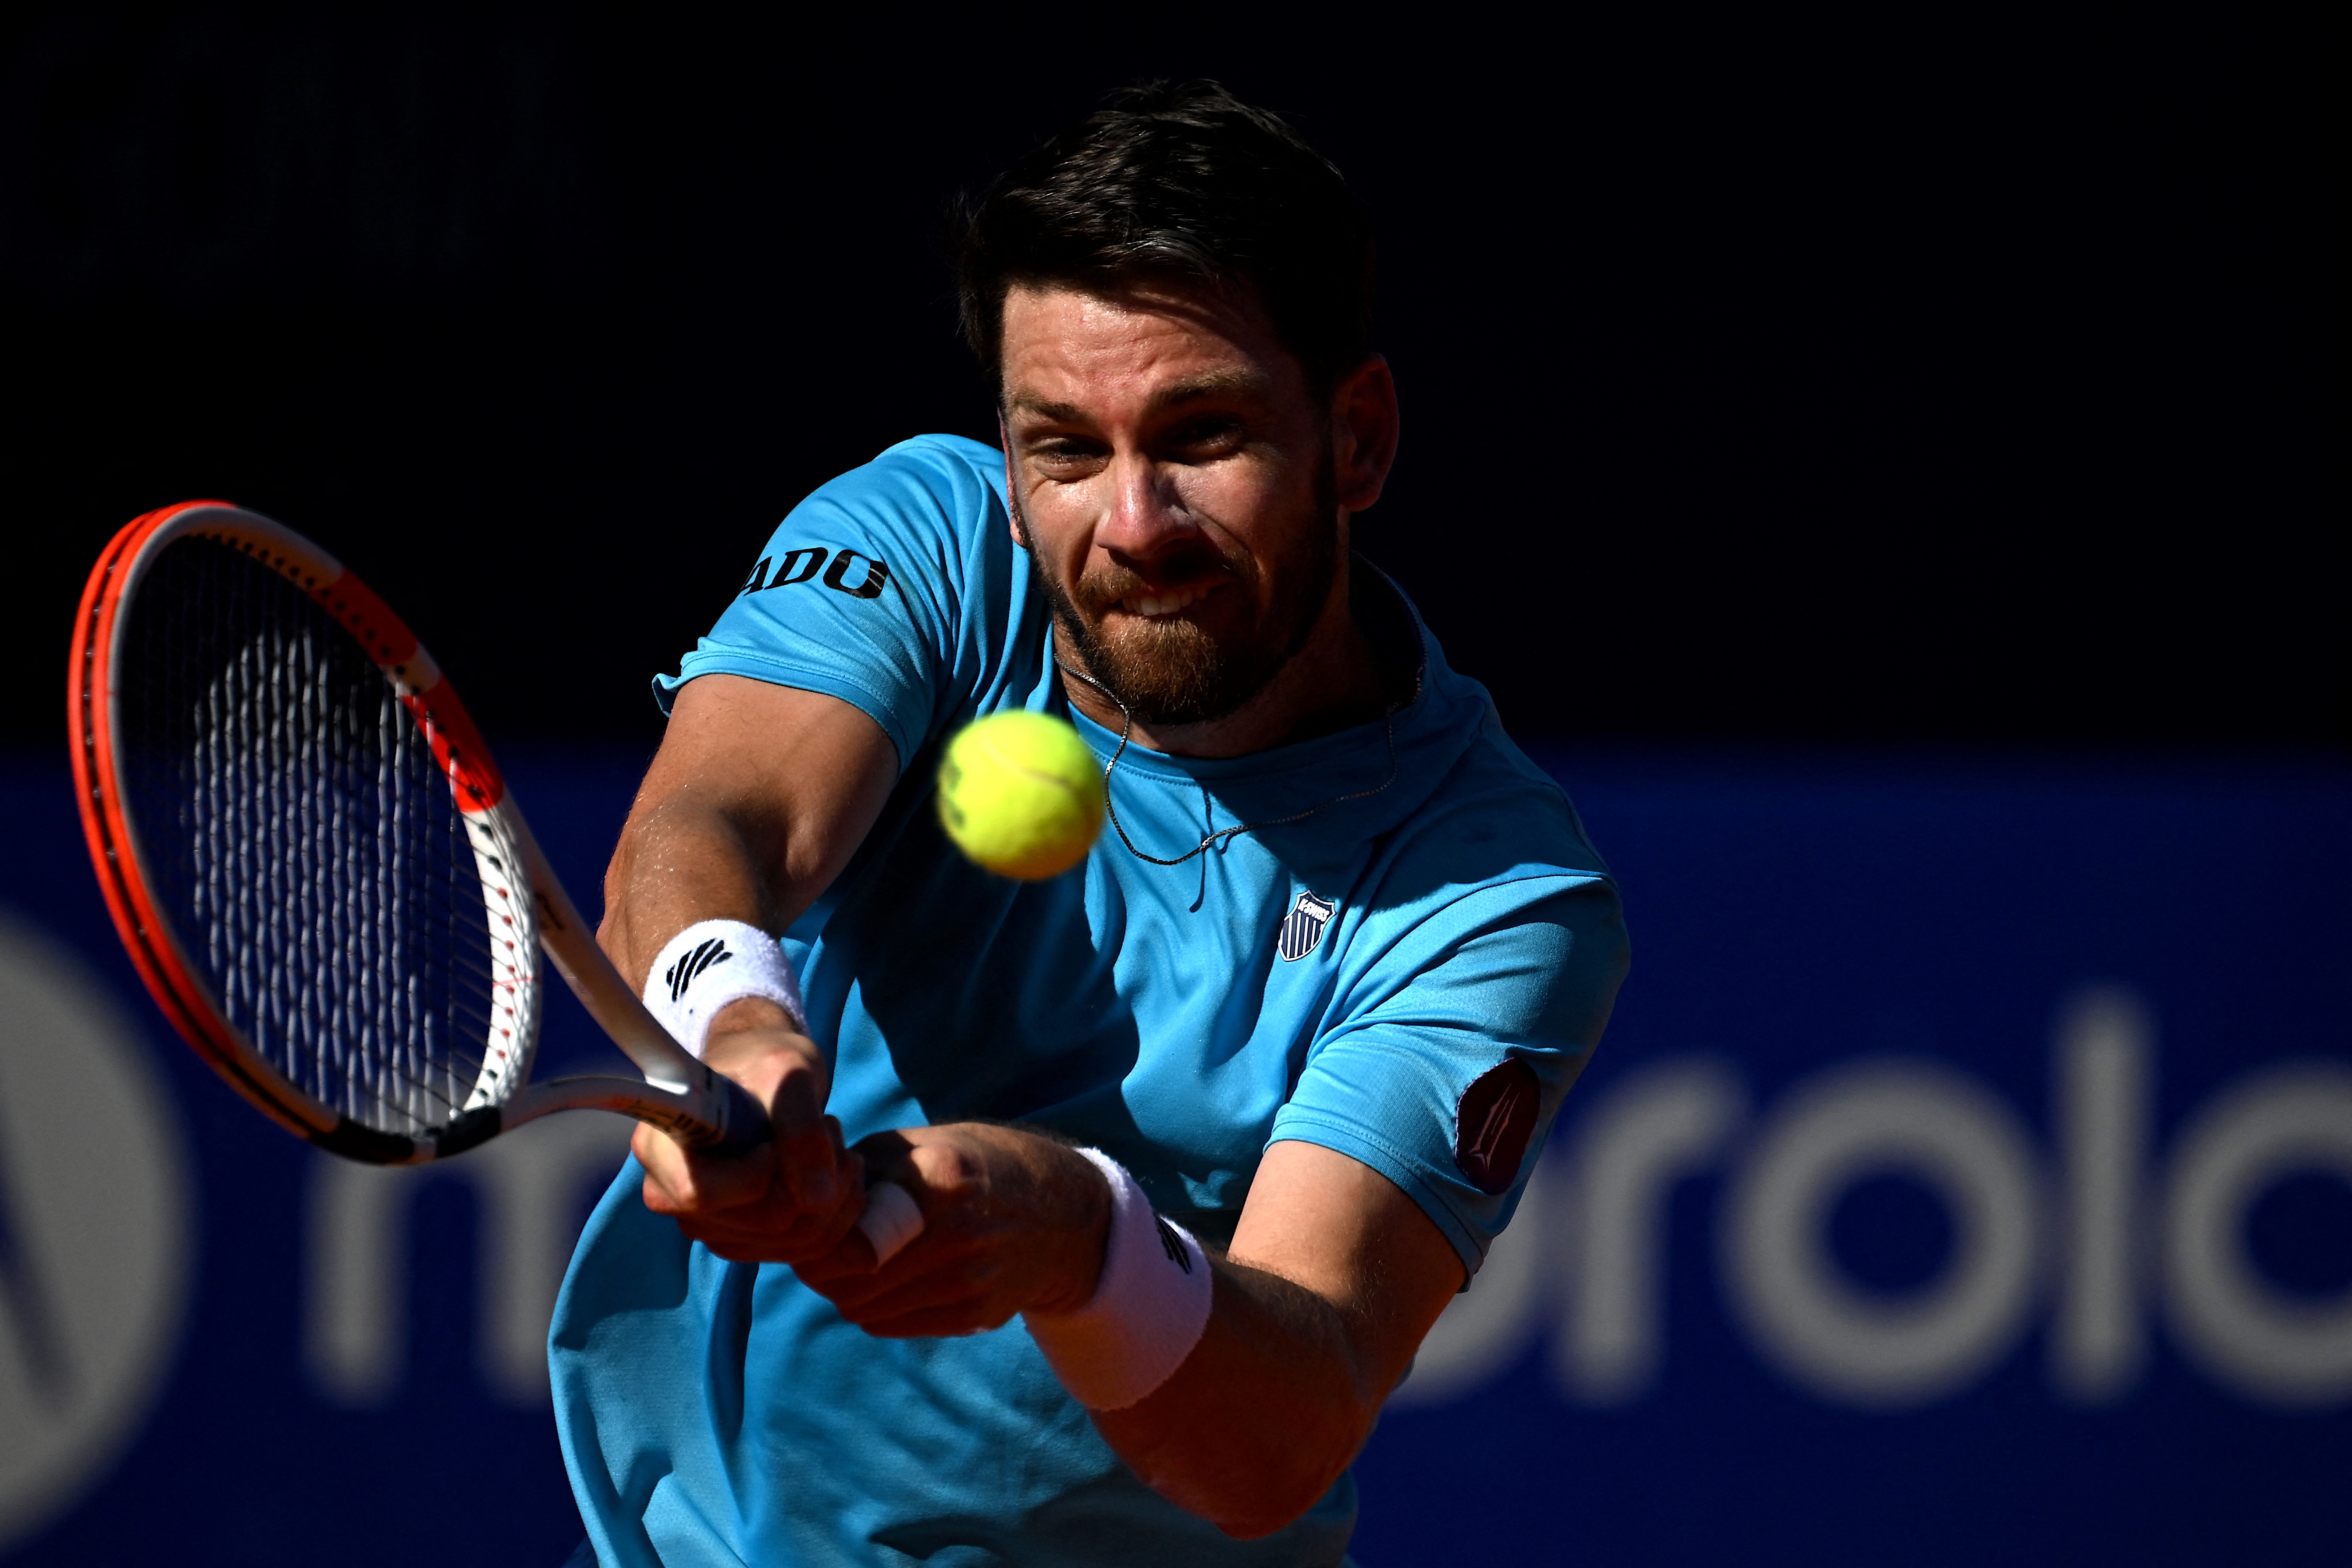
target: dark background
1774 385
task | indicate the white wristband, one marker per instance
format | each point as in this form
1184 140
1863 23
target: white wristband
711 964
1148 1312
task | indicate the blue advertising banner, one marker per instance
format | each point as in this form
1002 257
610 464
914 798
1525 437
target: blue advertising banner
1967 1173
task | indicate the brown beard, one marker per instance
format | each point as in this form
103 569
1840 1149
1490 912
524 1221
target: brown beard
1174 672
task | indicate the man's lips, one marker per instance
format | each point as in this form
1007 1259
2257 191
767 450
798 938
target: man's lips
1153 603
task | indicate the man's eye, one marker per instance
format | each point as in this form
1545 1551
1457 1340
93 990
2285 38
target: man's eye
1210 436
1064 454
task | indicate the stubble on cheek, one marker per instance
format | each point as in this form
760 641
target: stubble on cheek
1166 669
1172 670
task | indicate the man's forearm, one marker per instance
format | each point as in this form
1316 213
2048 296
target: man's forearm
732 823
1334 1276
683 859
1265 1414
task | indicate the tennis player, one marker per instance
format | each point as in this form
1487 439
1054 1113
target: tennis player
1204 1133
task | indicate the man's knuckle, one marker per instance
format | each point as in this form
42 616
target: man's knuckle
946 1167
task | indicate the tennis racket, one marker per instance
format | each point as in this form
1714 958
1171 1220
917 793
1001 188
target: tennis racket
316 866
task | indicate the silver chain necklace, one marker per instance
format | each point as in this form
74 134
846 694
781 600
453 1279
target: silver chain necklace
1210 840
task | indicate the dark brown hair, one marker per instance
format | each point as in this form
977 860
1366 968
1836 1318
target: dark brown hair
1183 182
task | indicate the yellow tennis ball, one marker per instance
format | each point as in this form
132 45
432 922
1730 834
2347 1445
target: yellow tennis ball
1021 794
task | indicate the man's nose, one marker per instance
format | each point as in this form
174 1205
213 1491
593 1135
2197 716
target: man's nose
1145 514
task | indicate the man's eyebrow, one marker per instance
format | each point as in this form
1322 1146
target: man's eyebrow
1045 408
1208 384
1213 383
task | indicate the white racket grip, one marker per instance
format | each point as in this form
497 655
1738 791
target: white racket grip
890 1221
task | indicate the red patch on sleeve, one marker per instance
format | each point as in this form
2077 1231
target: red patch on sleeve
1493 1124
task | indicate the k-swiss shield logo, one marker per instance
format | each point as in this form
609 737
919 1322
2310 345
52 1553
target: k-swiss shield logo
1302 927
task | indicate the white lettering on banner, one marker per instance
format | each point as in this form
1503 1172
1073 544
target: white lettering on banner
95 1196
2101 1079
1587 1253
355 1326
1870 1348
2244 1332
1586 1256
1666 1124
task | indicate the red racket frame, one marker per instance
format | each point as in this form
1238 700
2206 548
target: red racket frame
682 1095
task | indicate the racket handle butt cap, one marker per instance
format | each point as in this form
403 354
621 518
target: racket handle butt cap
743 1125
891 1220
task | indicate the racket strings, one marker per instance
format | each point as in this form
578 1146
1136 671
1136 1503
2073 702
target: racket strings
385 1032
304 842
282 692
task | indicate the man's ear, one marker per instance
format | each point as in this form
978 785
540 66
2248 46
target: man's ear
1364 430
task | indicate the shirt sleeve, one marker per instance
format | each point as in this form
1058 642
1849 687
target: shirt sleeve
1451 1055
870 592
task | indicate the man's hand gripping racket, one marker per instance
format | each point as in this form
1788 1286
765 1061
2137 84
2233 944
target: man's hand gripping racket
318 872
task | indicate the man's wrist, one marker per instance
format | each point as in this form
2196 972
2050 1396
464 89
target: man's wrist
759 1045
1085 1237
754 1012
1149 1307
710 966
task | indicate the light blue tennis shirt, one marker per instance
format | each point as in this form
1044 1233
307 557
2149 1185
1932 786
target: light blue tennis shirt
1411 977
